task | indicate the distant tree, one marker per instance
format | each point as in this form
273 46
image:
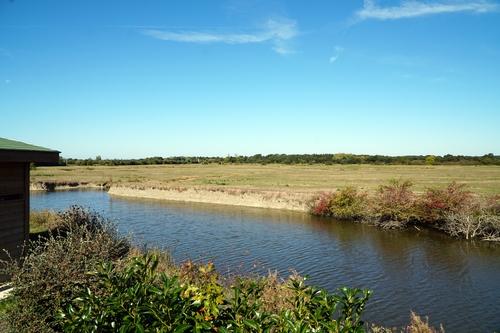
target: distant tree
430 160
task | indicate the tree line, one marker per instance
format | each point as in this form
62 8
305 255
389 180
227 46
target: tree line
328 159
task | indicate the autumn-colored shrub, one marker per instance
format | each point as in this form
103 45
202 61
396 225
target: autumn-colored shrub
319 205
492 204
452 209
436 203
395 202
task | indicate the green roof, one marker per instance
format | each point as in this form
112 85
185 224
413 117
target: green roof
6 144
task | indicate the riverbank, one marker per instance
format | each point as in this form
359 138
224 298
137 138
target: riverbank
233 197
462 201
212 195
49 186
453 209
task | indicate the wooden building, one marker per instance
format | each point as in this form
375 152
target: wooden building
15 159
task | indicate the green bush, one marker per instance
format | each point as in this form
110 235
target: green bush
139 298
346 203
55 269
395 203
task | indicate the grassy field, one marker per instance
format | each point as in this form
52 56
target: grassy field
295 178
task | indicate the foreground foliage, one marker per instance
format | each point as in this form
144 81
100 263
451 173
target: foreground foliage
452 209
139 298
55 268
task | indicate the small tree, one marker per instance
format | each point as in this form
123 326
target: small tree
430 160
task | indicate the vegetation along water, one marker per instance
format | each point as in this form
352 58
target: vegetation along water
450 280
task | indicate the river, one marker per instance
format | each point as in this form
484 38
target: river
454 282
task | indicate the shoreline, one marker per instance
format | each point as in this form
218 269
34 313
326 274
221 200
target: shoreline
64 186
292 201
468 218
232 197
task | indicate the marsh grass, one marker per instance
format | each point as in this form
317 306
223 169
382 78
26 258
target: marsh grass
42 221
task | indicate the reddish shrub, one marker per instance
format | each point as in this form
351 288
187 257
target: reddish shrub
493 204
436 204
320 204
346 203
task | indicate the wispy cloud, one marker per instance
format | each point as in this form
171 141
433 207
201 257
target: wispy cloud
336 55
277 32
414 8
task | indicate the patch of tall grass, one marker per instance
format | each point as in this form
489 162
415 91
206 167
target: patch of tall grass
42 221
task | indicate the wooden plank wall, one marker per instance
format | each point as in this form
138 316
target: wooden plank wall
14 207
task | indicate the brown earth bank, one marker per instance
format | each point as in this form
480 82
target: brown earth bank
49 186
235 197
296 201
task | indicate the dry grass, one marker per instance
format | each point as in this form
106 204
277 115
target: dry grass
295 178
417 325
44 220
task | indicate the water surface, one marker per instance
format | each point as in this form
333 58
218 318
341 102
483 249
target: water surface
456 283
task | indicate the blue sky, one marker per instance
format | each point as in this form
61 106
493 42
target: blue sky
160 78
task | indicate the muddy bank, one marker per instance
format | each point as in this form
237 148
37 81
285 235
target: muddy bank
235 197
65 185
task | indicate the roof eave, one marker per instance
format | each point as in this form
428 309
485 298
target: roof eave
46 157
